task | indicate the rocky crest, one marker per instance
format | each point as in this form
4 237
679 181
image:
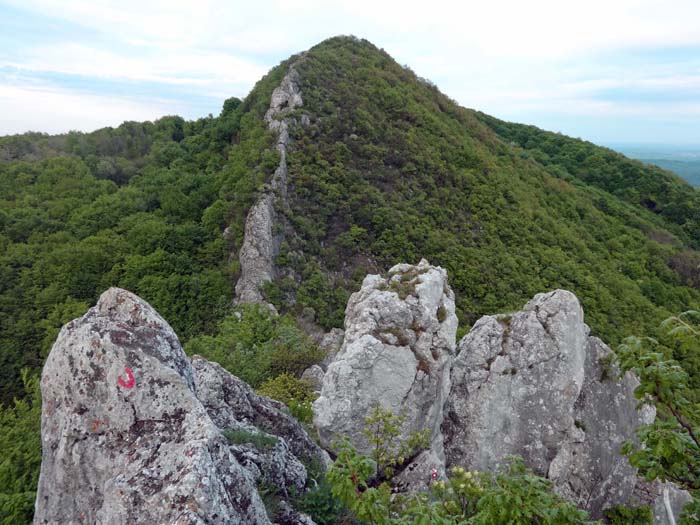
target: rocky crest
536 385
135 432
399 342
261 241
533 384
132 432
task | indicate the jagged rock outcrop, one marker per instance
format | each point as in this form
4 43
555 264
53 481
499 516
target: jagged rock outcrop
399 342
126 439
232 404
514 385
263 235
535 384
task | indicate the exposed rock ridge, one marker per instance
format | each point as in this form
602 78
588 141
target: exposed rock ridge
133 432
263 233
399 343
533 383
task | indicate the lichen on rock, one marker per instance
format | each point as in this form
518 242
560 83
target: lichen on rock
396 352
126 439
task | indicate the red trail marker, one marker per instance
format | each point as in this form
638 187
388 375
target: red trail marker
129 382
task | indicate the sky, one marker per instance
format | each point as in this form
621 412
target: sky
608 71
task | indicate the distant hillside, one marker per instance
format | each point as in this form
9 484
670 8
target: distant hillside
383 168
688 169
681 160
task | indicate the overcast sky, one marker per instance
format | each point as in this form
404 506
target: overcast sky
610 71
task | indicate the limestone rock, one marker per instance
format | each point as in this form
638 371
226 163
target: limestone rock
124 437
398 345
535 384
262 237
669 503
589 469
314 376
232 404
514 384
330 345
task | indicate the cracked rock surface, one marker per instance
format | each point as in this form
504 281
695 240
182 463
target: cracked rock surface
126 439
514 385
535 384
398 345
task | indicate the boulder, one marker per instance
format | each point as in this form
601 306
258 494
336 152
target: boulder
124 437
330 345
233 404
314 377
668 504
537 385
398 346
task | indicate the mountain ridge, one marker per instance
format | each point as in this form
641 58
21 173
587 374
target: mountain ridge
381 168
385 169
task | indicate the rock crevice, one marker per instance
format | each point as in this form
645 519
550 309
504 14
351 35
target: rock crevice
134 432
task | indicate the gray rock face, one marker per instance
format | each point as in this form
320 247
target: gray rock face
588 469
534 384
330 345
514 385
231 403
399 342
314 376
668 504
133 432
261 240
124 438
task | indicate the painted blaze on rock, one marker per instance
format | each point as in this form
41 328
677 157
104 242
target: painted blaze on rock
125 439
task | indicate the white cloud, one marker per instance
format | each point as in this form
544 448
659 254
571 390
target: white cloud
57 111
182 67
506 57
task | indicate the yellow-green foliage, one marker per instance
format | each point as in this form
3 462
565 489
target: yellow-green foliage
298 395
669 448
20 444
257 345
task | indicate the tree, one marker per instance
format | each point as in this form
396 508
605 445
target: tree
669 448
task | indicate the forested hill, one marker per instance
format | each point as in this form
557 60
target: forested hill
384 169
636 182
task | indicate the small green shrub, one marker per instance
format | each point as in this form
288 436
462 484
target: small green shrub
255 345
295 393
244 437
382 429
323 507
622 515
